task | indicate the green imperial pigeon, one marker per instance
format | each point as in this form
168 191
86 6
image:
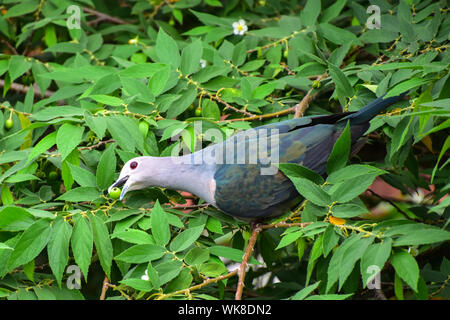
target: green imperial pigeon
239 175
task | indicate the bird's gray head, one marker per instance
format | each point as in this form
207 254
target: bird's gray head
134 175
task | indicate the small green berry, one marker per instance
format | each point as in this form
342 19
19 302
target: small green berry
52 176
9 124
143 128
115 193
198 112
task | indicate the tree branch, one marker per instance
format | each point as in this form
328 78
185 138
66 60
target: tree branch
24 89
104 288
245 259
301 107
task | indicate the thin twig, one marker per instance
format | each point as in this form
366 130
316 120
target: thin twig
198 286
228 106
392 203
194 206
94 146
285 225
103 17
245 259
286 68
13 50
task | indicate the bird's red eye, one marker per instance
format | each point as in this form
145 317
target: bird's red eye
133 165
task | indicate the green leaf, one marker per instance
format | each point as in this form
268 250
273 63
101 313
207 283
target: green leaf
138 284
316 252
30 244
341 82
264 90
167 49
337 35
181 104
302 294
168 270
353 171
68 138
341 151
18 65
103 243
350 256
196 256
349 210
309 14
46 143
374 259
349 189
50 113
296 170
82 176
58 247
96 124
426 236
134 236
22 8
289 238
82 243
311 191
239 54
334 267
444 149
210 110
405 86
160 225
212 269
15 219
108 100
80 194
106 168
406 267
190 57
141 253
332 11
330 297
159 80
186 238
330 240
230 253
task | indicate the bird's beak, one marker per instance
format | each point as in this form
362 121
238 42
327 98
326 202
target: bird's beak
119 183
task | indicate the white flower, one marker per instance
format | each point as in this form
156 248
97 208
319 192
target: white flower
239 27
145 276
202 63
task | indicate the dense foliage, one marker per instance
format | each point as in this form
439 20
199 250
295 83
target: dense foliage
135 77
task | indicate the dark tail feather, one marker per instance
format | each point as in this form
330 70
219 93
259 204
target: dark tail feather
366 113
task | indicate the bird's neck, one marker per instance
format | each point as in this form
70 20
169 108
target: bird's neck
180 173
